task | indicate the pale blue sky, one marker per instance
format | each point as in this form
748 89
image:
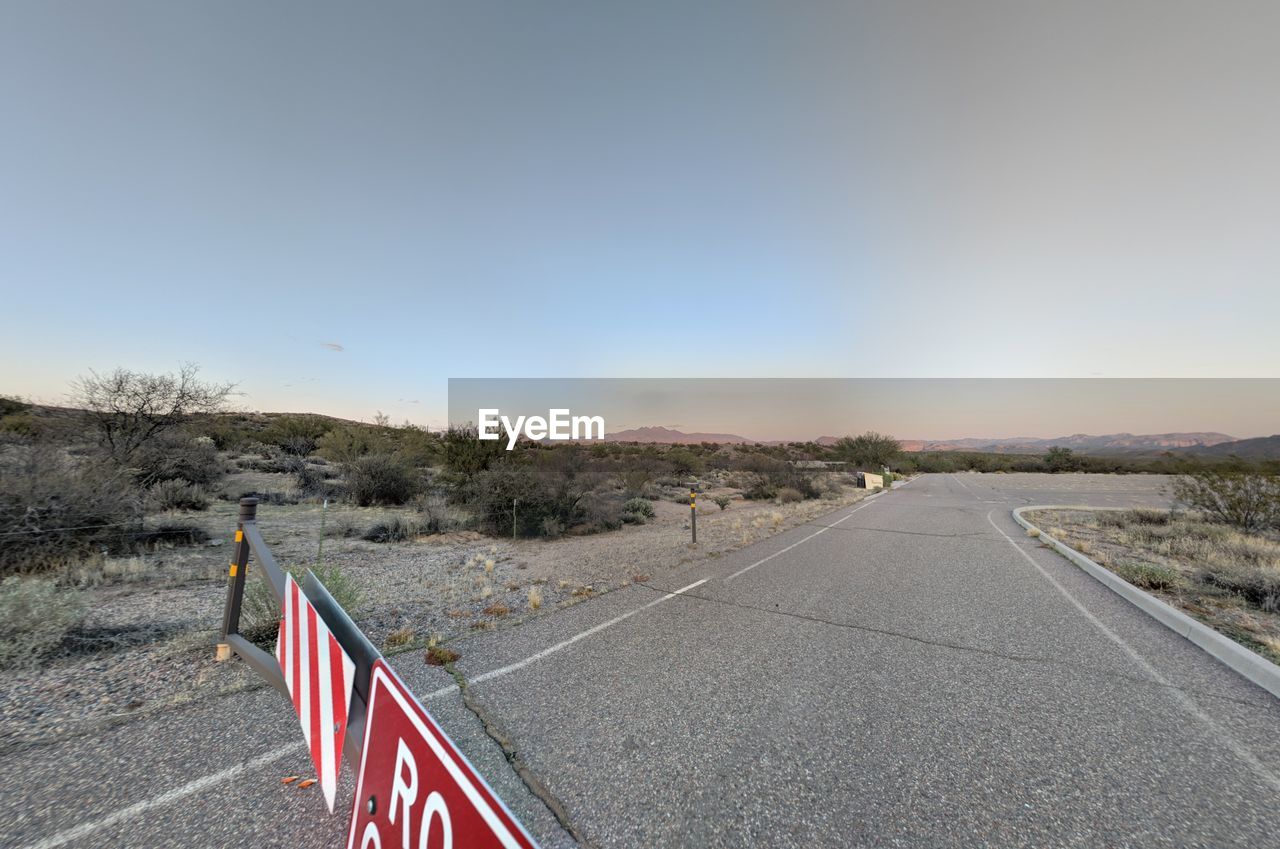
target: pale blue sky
648 189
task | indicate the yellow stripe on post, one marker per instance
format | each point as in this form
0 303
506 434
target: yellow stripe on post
233 570
239 536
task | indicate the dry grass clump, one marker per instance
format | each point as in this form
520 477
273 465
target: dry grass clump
440 656
535 598
395 529
35 616
399 637
787 495
1148 576
1227 578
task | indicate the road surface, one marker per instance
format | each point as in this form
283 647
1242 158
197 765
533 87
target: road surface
910 671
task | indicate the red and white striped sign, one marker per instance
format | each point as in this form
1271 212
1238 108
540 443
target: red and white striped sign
319 674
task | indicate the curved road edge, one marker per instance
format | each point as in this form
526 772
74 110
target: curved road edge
1252 666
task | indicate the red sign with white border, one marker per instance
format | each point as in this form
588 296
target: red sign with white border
415 788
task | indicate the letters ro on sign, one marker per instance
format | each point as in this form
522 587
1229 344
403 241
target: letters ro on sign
415 789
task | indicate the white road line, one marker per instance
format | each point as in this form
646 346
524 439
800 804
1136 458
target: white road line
164 798
1184 701
966 487
534 658
747 569
208 781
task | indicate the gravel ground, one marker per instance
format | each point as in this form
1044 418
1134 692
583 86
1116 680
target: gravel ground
146 643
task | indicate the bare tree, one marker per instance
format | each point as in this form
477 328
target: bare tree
131 408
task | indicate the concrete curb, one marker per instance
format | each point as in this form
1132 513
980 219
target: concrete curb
1256 668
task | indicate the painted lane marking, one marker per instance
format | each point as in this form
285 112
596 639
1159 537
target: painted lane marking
747 569
564 644
165 798
1184 701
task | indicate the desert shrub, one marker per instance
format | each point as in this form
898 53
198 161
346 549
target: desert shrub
21 424
722 501
466 455
174 455
1111 519
170 534
1147 516
870 450
534 495
1148 576
311 479
636 480
639 507
261 613
606 513
417 445
381 479
684 462
229 431
437 515
342 528
767 475
179 495
1059 459
10 405
395 529
1233 495
347 443
54 508
267 465
787 495
296 435
760 489
35 616
1259 585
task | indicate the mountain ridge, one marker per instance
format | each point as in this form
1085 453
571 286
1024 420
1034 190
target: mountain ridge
1112 442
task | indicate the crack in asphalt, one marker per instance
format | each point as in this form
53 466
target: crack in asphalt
535 785
1016 658
978 535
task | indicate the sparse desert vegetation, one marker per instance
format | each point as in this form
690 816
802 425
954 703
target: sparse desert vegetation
116 523
1216 561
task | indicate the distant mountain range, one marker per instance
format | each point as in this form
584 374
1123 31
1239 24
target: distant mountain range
667 436
1258 448
1205 444
1113 443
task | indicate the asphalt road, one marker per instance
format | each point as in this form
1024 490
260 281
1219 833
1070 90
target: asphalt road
913 671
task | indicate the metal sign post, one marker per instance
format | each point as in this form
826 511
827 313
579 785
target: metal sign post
693 514
250 545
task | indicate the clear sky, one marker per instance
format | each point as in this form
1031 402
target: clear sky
341 205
